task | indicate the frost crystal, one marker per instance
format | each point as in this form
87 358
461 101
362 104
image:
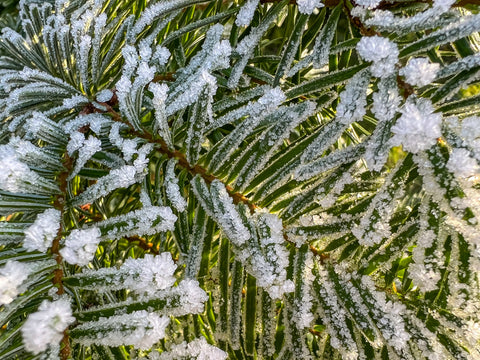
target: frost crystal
308 6
90 146
46 326
198 349
12 275
270 261
122 177
160 56
462 164
149 274
227 215
146 221
141 329
419 127
14 172
40 234
245 15
370 4
353 100
104 95
77 139
381 51
172 188
80 246
420 71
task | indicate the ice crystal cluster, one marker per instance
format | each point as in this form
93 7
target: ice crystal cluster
252 179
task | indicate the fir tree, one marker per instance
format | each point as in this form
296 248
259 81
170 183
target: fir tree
244 179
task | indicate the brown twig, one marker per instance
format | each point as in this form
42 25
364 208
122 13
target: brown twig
182 160
59 204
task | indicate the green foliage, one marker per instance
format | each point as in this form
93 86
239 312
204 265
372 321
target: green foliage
278 190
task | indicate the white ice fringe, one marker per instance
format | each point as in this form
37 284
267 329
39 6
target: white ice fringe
381 51
12 275
45 327
420 71
308 6
161 123
245 15
353 99
142 329
16 176
172 189
419 127
90 146
117 178
146 221
268 262
144 275
227 215
462 164
197 349
40 235
80 246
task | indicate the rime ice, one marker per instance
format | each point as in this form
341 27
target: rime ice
14 172
245 15
462 164
46 326
12 275
197 349
381 51
142 329
419 127
308 6
40 234
80 246
420 71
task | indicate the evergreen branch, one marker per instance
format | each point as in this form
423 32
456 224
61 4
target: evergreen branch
59 204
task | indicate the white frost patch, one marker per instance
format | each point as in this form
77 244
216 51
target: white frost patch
198 349
46 326
172 189
308 6
418 128
370 4
462 164
192 297
40 234
227 215
148 220
104 95
141 329
160 56
80 246
90 146
420 71
424 278
245 15
151 270
381 51
14 172
12 275
77 139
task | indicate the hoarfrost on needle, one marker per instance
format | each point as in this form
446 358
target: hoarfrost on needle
12 275
420 71
308 6
381 51
80 246
40 234
45 327
462 164
418 128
